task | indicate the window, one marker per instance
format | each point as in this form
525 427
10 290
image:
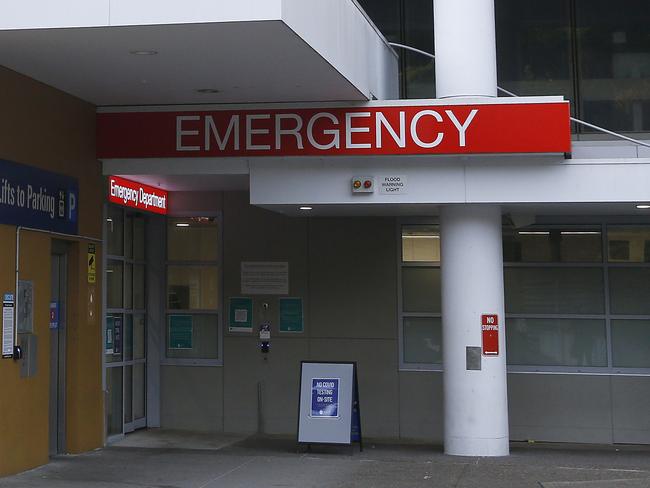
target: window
613 49
577 298
420 314
555 297
125 326
534 47
419 70
193 291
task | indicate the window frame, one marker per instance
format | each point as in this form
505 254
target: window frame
195 362
401 315
607 316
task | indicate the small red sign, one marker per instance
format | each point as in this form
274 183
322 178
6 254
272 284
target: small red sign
373 129
490 332
137 195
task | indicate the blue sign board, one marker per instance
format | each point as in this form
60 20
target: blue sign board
32 197
325 397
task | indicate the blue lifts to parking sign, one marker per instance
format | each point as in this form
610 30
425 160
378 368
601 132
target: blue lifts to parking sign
32 197
324 397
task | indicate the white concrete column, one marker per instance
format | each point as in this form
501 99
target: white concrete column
465 48
475 402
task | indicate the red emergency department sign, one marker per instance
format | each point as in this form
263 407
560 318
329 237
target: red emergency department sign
137 195
490 333
489 128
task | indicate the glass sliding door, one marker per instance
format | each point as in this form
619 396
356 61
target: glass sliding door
125 325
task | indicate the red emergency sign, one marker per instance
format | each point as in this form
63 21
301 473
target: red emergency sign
372 129
137 195
490 333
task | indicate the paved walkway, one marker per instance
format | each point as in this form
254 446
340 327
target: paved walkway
165 460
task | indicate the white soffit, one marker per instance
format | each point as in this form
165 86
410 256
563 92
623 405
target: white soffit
247 50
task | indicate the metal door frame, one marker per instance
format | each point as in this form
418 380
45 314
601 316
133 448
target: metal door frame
59 256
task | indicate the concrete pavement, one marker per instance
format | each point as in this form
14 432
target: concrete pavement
159 459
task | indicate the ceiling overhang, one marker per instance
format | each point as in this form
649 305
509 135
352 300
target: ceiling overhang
119 52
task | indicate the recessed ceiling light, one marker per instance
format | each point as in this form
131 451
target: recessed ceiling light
143 52
643 206
207 90
305 208
182 224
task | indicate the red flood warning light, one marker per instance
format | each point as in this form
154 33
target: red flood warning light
363 184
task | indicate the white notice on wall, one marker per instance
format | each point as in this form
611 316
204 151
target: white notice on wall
393 185
265 278
8 325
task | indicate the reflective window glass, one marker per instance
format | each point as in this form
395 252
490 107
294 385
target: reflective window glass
534 47
128 236
631 343
115 231
614 63
138 287
629 291
139 336
114 401
385 14
421 290
629 244
139 391
128 286
114 284
422 340
554 290
138 238
192 287
128 394
552 245
556 342
419 70
128 337
420 243
192 239
193 336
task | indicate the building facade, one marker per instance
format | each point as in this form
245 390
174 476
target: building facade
163 329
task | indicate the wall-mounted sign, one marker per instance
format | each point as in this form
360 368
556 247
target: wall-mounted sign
137 195
265 278
402 128
240 317
490 333
291 315
92 263
32 197
8 325
393 185
25 303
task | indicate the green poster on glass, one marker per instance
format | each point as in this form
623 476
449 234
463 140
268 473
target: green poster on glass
240 317
180 332
291 318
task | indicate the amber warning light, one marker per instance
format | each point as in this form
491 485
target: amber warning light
363 184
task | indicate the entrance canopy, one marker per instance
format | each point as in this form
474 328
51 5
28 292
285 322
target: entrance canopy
153 52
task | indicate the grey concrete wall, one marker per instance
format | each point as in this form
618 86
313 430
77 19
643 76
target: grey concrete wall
191 398
345 271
